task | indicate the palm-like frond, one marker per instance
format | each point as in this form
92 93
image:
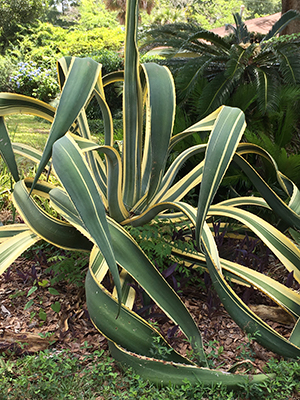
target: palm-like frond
245 62
184 37
171 35
268 85
215 93
241 30
289 65
283 21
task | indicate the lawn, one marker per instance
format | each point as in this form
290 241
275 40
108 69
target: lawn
28 129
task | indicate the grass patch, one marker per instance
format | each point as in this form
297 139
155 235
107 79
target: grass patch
63 375
28 129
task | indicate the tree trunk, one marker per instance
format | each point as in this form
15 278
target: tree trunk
294 26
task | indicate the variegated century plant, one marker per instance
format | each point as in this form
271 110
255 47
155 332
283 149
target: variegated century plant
102 189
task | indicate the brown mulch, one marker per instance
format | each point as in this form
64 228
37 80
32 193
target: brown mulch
23 331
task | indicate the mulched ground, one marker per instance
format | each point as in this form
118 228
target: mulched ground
71 328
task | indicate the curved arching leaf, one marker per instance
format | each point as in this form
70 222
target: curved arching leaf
129 330
131 258
13 247
117 209
6 150
160 109
132 112
274 201
12 103
44 225
164 373
8 231
73 171
282 295
80 81
283 21
280 245
240 313
28 152
204 125
223 141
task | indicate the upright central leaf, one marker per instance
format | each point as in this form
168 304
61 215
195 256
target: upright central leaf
223 141
132 106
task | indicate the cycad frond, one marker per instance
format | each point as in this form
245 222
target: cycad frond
285 119
267 82
211 37
215 93
172 35
184 37
283 21
187 76
241 30
243 96
237 62
290 64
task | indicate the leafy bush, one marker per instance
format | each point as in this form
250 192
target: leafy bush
83 42
6 68
111 61
31 80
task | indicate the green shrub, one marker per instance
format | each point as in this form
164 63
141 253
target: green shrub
78 42
31 80
6 67
111 61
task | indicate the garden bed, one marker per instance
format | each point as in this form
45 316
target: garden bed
29 330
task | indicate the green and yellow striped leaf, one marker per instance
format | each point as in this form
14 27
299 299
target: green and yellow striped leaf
12 103
128 330
132 112
130 257
29 152
164 373
44 225
223 141
277 242
204 125
13 247
8 231
74 173
274 201
160 116
6 150
80 81
240 313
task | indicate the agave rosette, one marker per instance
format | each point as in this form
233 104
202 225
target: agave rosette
102 189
